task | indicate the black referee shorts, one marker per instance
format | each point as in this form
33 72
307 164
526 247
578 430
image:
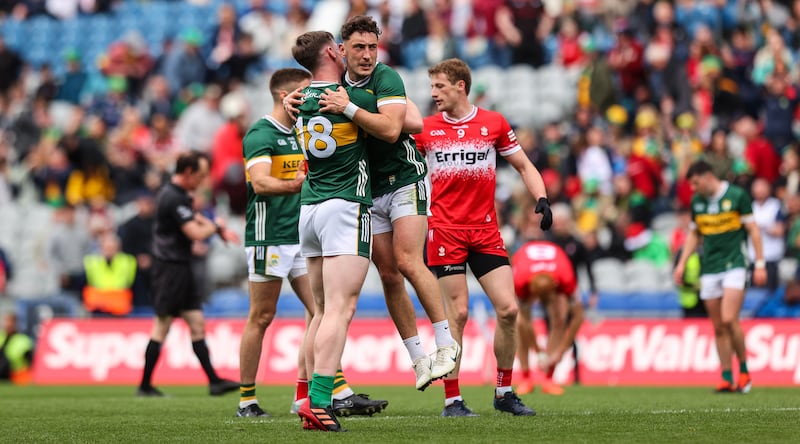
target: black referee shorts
174 289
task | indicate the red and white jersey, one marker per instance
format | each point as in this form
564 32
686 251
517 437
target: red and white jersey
461 156
542 257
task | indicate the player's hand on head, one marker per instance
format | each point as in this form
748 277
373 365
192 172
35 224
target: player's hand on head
543 208
292 101
334 101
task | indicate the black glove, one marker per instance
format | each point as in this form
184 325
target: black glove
543 207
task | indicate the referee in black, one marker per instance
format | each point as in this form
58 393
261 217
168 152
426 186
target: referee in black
177 225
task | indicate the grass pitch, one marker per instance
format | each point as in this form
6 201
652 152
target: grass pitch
43 414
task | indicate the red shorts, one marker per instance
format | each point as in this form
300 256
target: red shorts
450 246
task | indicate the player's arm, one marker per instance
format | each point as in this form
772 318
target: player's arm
530 175
413 123
386 124
689 246
760 266
575 321
265 184
535 185
198 227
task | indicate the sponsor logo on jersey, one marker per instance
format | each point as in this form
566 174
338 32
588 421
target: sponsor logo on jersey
285 166
438 132
461 157
281 142
726 205
450 268
484 131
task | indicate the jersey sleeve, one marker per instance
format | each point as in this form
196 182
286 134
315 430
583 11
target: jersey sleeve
256 149
390 88
745 203
182 211
507 141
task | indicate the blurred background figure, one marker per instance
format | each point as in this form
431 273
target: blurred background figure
110 275
16 352
771 220
689 289
136 237
227 169
69 243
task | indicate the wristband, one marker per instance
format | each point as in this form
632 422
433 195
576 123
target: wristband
541 356
761 263
350 110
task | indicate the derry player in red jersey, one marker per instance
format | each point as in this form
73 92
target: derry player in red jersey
460 145
544 272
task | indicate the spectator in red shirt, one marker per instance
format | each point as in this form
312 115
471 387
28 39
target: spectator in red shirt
626 58
227 168
761 157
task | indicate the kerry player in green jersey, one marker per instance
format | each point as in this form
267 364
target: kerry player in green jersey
335 225
722 216
400 194
273 162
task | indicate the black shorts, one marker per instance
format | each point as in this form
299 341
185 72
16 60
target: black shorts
174 288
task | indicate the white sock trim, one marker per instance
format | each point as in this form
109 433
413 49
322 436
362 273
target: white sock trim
441 331
500 391
414 347
450 401
243 404
346 393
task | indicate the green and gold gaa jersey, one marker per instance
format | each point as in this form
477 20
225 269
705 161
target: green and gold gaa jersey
335 151
272 220
720 220
391 165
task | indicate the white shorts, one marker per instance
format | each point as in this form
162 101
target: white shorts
269 263
410 200
335 227
712 285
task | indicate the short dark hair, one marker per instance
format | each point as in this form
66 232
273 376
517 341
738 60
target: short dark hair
190 160
455 70
286 79
359 23
698 168
308 46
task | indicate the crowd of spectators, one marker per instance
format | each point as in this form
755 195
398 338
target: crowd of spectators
660 84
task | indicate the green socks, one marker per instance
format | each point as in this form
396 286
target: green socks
728 376
320 391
